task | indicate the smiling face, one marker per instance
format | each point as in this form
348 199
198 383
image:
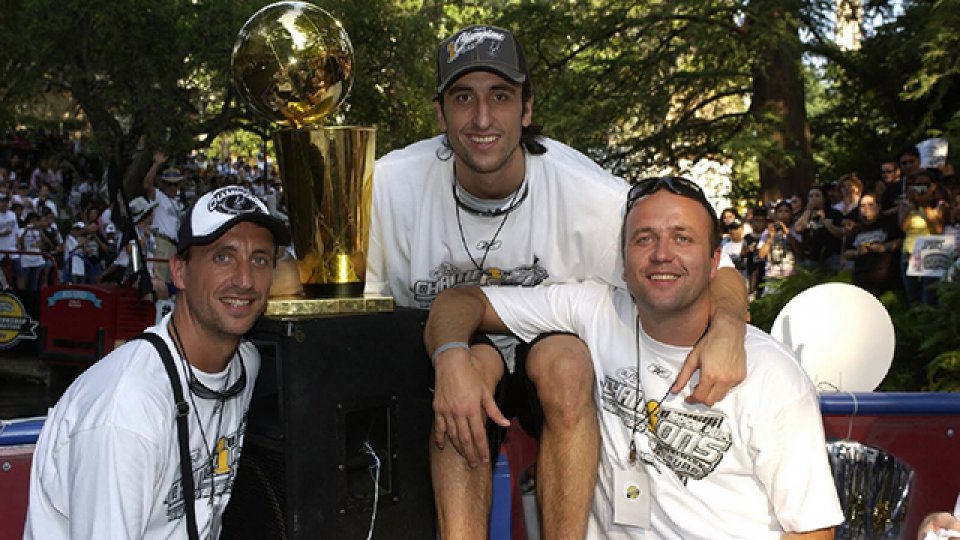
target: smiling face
668 259
483 115
224 284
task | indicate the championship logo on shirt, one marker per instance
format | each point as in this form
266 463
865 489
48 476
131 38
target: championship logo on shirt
690 443
448 275
213 474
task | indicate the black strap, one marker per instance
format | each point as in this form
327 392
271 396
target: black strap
183 414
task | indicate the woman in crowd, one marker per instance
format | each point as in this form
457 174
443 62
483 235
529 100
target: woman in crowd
820 230
875 248
920 214
851 187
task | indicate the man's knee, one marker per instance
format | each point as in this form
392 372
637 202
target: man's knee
561 369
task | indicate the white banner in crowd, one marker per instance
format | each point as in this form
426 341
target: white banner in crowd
933 153
932 255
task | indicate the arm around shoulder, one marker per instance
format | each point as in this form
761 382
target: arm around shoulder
720 353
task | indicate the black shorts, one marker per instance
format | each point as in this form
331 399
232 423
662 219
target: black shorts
516 395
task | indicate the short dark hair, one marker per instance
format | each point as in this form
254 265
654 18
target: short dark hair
677 185
529 135
910 149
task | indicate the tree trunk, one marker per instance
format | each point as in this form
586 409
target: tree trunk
778 102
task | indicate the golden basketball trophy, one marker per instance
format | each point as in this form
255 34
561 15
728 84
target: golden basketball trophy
293 64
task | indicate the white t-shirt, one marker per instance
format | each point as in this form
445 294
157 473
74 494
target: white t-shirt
752 466
8 222
73 251
166 217
566 228
32 239
48 203
107 463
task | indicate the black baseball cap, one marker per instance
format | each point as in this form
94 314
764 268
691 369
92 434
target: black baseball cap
480 48
217 211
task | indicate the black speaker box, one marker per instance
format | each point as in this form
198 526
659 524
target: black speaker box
337 432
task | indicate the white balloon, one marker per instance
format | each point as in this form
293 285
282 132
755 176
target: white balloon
842 335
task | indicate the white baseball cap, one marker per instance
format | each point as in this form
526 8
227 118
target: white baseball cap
217 211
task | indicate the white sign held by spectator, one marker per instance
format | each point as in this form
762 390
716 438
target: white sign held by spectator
933 153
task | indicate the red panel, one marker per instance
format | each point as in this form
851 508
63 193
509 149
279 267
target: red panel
15 487
72 314
930 445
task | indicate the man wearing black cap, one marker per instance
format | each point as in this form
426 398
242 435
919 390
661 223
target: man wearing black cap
108 461
491 202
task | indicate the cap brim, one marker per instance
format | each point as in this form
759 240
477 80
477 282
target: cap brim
281 235
479 65
146 210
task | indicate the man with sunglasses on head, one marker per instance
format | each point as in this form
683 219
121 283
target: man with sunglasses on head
490 201
754 465
109 458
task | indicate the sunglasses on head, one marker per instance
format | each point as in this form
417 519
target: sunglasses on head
677 185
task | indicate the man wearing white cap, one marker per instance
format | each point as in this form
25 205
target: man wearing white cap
165 191
110 459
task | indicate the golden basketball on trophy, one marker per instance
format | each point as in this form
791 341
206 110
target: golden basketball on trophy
293 64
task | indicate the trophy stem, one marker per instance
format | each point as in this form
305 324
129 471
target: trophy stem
327 174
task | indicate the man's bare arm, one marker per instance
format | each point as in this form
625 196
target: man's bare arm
720 354
149 179
461 400
457 314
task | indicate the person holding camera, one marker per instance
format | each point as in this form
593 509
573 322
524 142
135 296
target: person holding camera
820 230
779 244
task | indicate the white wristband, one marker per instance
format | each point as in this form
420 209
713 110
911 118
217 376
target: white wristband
447 346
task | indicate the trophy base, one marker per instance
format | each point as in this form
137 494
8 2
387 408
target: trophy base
295 308
333 290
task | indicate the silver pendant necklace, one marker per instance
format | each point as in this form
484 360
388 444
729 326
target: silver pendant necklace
515 201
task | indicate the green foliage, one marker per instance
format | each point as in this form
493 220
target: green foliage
928 344
639 86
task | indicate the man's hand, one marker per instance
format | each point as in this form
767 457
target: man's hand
934 522
721 359
159 157
461 404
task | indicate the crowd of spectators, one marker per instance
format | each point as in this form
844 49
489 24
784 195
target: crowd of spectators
57 223
846 225
866 227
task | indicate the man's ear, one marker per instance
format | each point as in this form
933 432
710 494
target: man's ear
527 117
441 121
716 263
178 270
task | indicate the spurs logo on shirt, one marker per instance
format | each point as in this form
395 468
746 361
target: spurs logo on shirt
448 275
690 443
220 483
